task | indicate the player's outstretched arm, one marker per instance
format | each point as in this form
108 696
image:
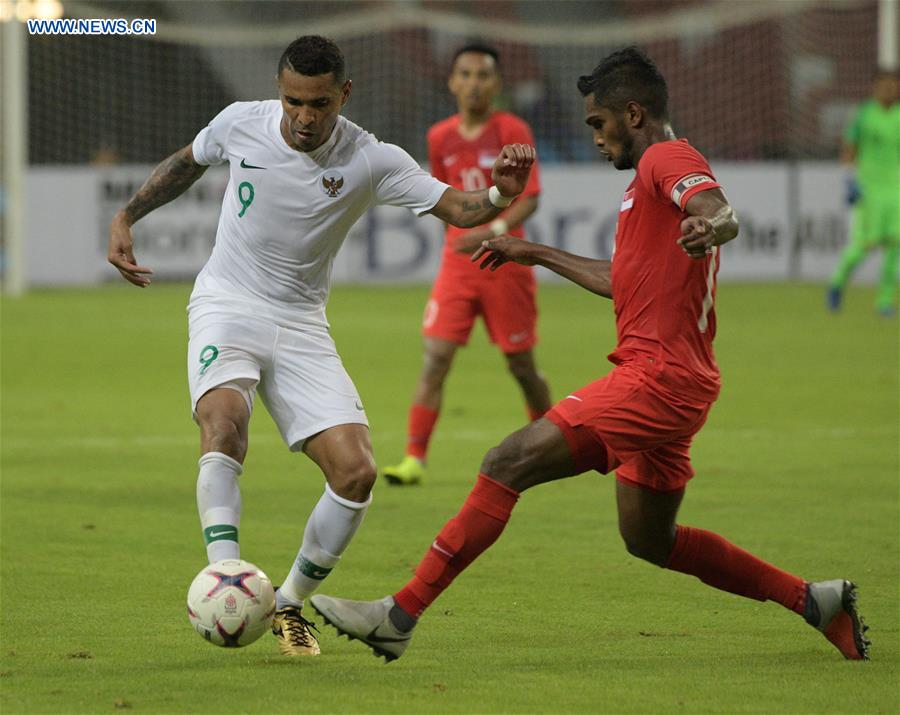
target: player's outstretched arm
466 209
512 219
711 222
168 181
590 273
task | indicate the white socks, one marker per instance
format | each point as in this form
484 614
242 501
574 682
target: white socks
330 527
219 504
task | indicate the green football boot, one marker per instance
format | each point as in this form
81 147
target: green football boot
409 472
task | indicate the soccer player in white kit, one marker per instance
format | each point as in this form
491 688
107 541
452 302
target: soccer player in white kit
300 177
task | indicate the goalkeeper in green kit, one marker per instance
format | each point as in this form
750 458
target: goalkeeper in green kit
872 148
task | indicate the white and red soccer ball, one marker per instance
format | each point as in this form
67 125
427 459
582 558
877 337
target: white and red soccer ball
231 603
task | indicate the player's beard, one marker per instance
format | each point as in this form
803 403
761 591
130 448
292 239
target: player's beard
624 158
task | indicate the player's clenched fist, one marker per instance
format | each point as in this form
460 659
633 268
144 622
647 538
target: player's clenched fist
697 236
512 167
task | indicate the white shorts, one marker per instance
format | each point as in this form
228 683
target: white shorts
299 374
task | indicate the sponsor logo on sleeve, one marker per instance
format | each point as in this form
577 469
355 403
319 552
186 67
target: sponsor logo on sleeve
627 201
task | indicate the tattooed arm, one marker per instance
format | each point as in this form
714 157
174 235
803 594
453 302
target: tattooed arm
168 181
473 208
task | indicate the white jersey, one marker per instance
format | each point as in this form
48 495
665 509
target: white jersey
286 213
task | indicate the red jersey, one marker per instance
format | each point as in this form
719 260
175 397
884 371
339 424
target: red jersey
466 164
663 298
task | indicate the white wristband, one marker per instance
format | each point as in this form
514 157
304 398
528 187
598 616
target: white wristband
499 227
498 199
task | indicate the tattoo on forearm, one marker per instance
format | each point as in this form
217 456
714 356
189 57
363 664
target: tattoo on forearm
476 205
169 180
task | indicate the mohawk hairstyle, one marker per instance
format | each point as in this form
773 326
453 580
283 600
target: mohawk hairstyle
313 55
477 46
627 76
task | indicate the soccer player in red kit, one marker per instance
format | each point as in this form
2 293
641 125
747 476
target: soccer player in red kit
461 149
640 419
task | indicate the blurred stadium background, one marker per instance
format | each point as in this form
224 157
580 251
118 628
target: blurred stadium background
762 87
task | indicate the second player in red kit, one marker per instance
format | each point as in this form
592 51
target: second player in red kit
461 150
461 292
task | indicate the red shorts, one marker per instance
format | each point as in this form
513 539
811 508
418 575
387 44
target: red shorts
505 299
629 423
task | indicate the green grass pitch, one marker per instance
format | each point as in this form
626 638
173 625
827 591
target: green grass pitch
100 537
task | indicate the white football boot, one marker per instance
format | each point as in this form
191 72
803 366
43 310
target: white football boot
366 621
831 608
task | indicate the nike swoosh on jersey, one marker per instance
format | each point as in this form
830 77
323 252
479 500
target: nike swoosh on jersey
373 637
245 165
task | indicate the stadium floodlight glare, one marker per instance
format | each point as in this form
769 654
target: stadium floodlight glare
23 10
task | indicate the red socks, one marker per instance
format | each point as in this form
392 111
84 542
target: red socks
711 558
477 525
719 563
421 424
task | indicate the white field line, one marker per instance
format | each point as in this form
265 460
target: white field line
488 437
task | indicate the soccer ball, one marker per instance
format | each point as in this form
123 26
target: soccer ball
231 603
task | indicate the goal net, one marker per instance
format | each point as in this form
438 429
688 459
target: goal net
748 80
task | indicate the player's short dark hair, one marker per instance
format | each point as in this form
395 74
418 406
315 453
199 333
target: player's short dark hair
627 76
313 55
476 46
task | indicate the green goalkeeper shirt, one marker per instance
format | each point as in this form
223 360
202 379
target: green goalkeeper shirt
875 132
